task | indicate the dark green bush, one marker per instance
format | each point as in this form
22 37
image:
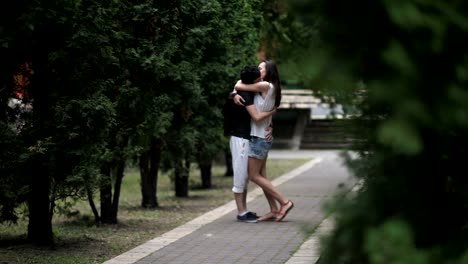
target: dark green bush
403 64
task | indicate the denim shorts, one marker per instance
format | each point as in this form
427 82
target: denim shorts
259 147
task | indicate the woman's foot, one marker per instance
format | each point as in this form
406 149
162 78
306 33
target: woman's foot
284 210
270 216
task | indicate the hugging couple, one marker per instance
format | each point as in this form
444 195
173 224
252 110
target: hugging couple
248 122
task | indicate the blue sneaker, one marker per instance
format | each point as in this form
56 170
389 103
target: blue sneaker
249 217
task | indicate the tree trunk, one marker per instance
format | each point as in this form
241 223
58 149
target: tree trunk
117 187
106 197
149 168
228 158
205 172
181 179
40 220
97 219
109 203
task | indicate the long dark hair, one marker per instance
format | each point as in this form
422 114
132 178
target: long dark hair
272 76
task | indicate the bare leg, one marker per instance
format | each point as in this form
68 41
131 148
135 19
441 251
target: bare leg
240 202
244 200
273 213
255 166
271 200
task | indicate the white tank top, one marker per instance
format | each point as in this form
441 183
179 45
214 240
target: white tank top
263 105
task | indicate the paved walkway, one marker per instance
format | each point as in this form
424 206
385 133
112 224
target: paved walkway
216 237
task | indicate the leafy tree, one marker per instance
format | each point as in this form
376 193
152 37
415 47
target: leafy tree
143 103
63 138
402 64
184 92
14 191
225 53
284 37
109 25
207 63
107 82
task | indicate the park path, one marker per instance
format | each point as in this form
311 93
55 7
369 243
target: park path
217 237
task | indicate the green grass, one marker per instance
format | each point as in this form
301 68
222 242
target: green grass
79 240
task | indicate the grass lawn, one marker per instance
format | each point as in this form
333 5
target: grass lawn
79 240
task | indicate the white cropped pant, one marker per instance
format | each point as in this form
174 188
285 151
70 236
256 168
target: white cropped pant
239 152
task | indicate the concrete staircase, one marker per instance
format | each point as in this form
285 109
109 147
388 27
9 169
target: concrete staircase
303 122
325 134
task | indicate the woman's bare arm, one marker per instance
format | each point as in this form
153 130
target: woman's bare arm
259 116
254 87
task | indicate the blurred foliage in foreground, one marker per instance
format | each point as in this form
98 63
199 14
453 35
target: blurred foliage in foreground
404 66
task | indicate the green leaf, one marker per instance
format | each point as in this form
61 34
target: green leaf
401 136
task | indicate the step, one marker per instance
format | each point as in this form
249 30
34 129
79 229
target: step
324 146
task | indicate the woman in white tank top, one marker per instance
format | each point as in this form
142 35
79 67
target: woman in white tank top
268 97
